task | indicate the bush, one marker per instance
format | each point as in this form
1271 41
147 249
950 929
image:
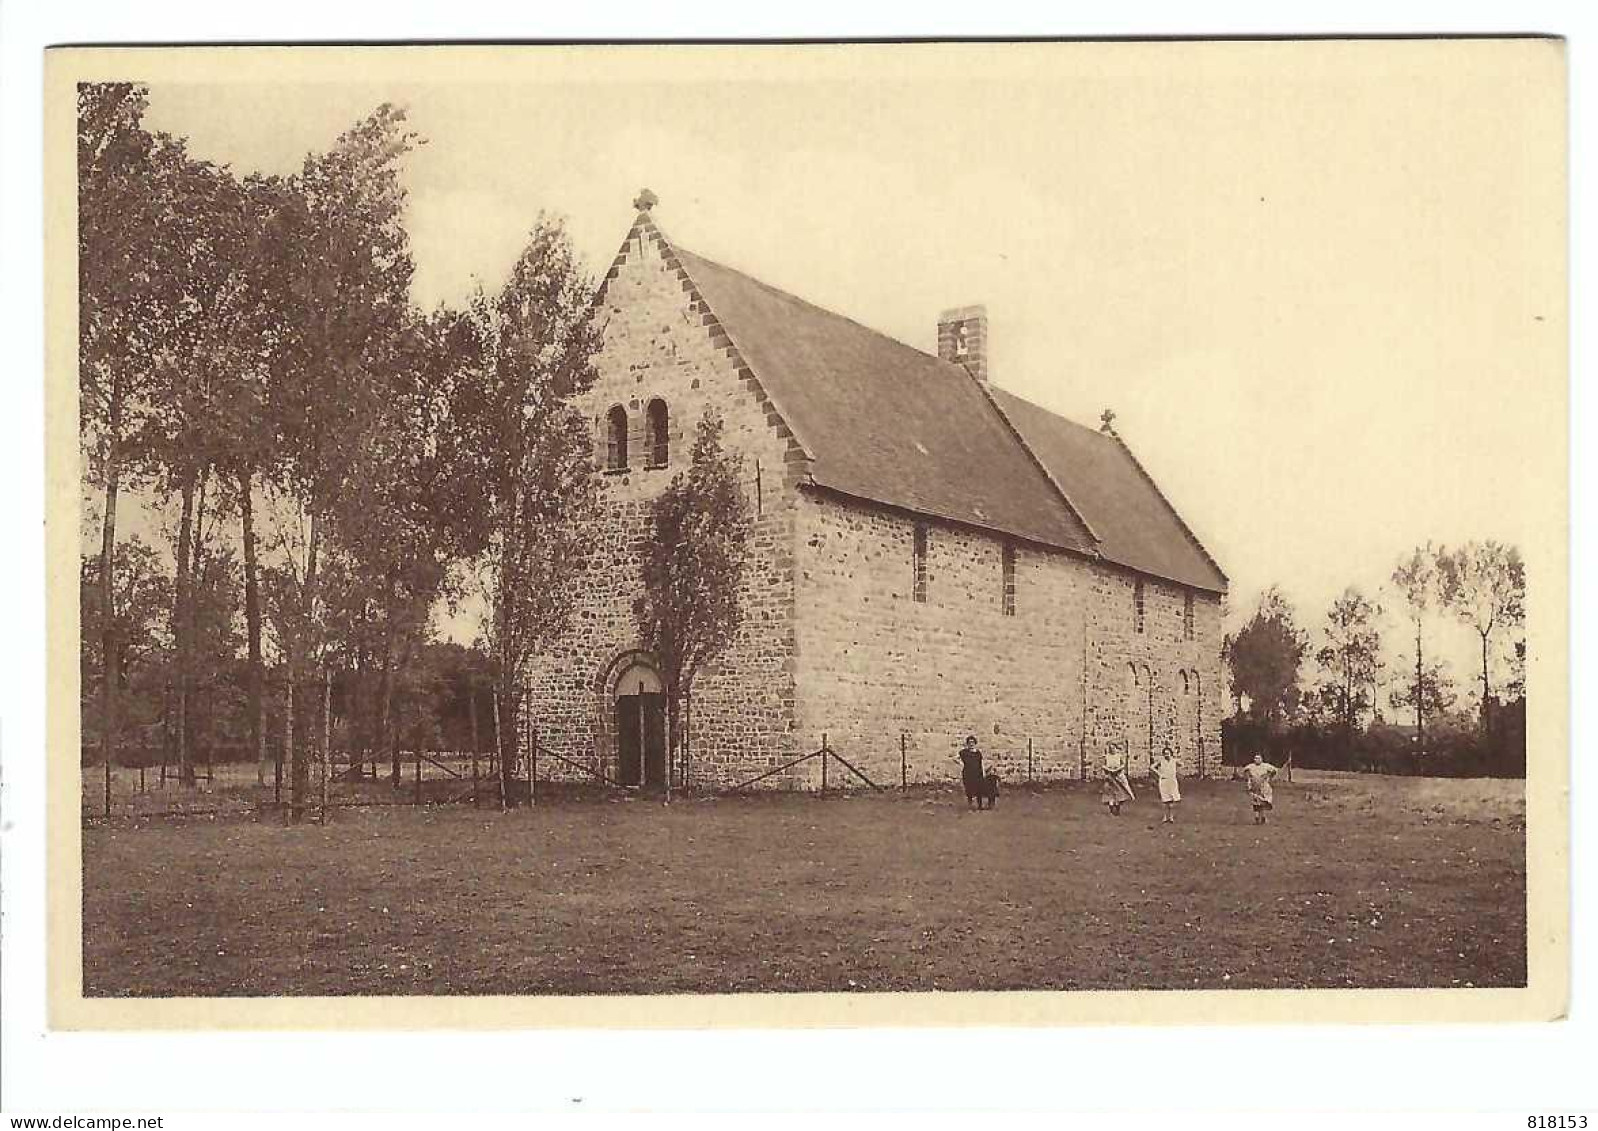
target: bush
1242 737
1454 747
1384 749
130 755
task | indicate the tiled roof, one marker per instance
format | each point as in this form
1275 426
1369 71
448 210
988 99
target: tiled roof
1136 525
882 421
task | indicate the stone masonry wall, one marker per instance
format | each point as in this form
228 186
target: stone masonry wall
1154 688
659 341
832 642
874 664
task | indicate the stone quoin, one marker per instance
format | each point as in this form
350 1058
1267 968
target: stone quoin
931 556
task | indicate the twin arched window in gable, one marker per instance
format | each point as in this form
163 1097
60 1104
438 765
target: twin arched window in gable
656 437
616 439
657 424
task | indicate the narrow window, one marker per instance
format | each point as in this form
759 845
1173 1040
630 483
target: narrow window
919 582
1009 580
1137 606
659 434
616 453
1187 616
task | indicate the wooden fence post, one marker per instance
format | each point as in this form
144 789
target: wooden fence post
823 761
418 771
166 729
499 751
327 734
532 772
1029 761
471 701
904 763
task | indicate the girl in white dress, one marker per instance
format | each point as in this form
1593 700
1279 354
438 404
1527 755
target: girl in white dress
1170 791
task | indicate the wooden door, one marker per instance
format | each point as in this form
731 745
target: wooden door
629 747
654 736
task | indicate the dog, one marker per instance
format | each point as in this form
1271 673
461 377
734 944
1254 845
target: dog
990 790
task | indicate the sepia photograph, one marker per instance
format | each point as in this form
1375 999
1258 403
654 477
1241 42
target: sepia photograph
958 526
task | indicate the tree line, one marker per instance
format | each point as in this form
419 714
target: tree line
334 465
1338 702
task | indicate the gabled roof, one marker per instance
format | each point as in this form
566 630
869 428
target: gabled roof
875 419
881 420
1136 524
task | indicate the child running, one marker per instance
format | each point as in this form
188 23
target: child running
1117 788
1257 776
1170 791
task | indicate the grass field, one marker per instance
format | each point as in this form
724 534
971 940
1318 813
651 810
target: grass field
1359 881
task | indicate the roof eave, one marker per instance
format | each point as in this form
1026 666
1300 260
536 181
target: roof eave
999 533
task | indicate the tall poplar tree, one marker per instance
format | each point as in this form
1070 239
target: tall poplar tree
1483 584
342 227
522 451
1351 657
125 201
1415 578
401 520
196 426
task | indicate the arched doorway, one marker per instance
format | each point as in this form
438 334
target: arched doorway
640 720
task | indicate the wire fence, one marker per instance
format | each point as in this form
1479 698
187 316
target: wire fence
899 760
910 759
142 784
339 781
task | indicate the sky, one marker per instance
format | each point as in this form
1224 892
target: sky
1321 285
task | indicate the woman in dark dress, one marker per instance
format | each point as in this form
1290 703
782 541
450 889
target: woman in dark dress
971 771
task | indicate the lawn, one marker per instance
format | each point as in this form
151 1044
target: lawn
1358 881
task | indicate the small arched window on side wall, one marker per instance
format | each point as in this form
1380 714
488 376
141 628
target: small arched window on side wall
659 422
616 438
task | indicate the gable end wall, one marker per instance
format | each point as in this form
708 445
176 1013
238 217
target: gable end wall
660 341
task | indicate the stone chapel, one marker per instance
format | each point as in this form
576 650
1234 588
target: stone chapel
931 556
